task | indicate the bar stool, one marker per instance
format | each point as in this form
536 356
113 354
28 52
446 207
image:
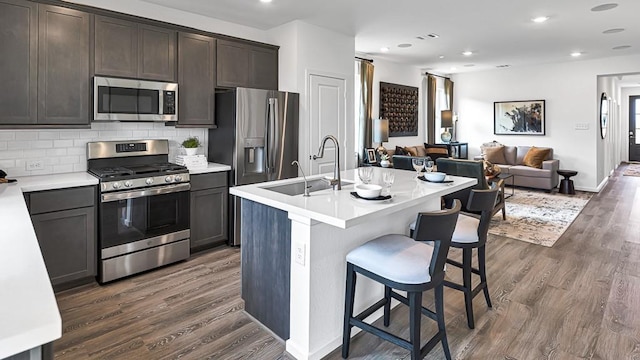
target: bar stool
406 264
471 232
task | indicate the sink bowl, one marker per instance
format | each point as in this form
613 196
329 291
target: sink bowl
297 188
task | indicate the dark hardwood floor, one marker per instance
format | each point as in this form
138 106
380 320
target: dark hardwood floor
579 299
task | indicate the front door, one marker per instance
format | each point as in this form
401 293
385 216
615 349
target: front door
634 128
327 110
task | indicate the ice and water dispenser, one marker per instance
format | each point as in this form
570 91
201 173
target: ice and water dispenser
254 155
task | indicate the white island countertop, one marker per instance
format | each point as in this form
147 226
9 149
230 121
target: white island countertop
211 168
339 208
29 315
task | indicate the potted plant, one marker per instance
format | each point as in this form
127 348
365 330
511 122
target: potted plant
384 160
191 145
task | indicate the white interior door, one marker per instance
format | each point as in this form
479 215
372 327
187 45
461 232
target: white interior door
327 113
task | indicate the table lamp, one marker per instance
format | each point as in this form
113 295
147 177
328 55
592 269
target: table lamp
381 133
446 121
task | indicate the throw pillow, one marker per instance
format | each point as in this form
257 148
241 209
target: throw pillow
421 151
491 170
535 156
495 155
400 151
411 150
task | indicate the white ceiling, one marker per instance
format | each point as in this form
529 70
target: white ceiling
499 32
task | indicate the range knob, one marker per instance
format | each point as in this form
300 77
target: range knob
149 181
128 183
168 179
116 185
178 178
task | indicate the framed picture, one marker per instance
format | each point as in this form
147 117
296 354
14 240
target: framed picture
371 155
519 117
399 104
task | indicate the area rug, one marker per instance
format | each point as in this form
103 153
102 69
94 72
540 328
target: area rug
538 217
632 170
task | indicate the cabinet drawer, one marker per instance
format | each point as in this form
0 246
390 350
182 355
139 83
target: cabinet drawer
62 199
208 181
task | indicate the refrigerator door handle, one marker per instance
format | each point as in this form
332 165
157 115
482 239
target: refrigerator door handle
272 112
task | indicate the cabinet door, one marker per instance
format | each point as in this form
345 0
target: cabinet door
196 80
63 66
233 64
156 53
68 243
18 62
208 217
116 47
263 68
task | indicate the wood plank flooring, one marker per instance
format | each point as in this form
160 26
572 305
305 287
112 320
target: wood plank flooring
577 300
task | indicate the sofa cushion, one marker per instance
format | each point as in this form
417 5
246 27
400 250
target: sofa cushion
510 155
495 155
400 151
411 150
421 151
535 156
437 151
522 170
504 168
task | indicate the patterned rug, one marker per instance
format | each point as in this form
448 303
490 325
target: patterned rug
538 217
632 170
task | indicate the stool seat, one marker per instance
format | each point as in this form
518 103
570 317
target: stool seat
395 257
466 231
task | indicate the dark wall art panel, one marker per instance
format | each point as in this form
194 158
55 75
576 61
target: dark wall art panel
399 104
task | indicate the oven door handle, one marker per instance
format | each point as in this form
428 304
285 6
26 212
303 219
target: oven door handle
146 192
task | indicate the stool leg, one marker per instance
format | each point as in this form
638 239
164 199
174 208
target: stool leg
415 312
349 297
440 317
387 305
483 273
466 281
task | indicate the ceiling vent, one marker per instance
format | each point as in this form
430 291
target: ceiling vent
503 66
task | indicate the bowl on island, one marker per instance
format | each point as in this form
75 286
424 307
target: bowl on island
435 176
368 191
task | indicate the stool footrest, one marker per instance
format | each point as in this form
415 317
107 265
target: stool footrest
426 312
459 265
370 310
475 291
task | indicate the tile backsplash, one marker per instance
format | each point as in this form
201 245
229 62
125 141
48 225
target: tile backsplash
62 151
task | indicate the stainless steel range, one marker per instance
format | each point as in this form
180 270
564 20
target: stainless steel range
143 218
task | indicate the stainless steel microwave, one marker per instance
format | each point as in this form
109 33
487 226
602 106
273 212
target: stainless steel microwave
116 99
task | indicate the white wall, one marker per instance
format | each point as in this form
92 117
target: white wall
570 91
306 49
402 74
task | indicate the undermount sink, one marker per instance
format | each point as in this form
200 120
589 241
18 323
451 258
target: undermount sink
297 188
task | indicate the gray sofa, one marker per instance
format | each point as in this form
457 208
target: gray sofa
545 178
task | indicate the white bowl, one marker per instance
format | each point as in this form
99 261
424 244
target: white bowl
368 191
435 176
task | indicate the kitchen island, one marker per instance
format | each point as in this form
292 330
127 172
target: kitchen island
294 247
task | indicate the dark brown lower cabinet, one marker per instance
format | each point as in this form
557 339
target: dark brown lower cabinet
209 210
67 236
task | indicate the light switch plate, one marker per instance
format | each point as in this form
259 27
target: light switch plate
300 254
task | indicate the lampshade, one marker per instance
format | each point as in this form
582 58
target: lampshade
446 119
380 130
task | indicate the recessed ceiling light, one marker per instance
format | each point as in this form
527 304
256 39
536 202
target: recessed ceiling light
441 57
404 45
469 65
467 53
540 19
453 68
576 54
604 7
384 49
503 66
265 1
621 47
613 31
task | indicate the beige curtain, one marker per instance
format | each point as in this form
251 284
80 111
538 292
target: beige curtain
366 106
448 90
431 109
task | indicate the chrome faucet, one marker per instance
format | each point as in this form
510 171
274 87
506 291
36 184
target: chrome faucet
306 187
335 182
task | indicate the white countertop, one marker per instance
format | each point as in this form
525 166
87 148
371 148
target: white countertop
211 168
339 208
29 315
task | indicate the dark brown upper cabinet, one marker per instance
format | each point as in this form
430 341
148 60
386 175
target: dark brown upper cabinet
242 64
196 80
18 62
127 49
63 66
44 65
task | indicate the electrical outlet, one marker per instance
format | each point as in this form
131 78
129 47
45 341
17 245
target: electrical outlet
300 254
35 165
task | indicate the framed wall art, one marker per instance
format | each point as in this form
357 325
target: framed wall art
519 117
399 104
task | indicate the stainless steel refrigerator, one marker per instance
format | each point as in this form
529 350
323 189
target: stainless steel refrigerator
257 134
